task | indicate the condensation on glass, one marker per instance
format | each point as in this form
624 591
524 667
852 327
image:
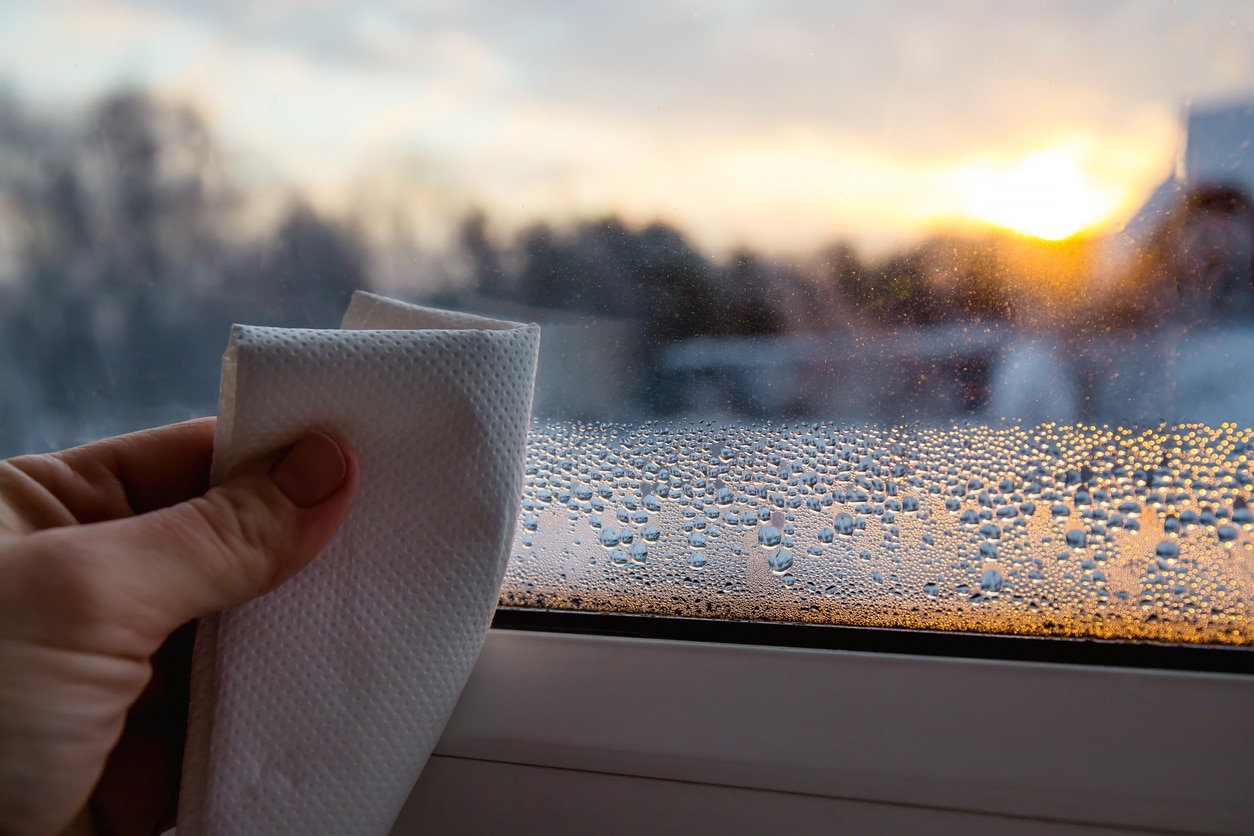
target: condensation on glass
1058 530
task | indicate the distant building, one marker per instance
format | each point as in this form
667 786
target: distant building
1179 321
1217 149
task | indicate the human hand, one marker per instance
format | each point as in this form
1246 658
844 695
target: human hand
106 551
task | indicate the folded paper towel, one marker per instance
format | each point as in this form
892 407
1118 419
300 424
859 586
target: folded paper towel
315 707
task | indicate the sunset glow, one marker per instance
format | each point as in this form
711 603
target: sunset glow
1048 194
734 137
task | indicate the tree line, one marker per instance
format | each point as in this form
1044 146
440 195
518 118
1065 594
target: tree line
127 249
126 265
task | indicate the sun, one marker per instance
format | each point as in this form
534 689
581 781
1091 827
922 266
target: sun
1047 194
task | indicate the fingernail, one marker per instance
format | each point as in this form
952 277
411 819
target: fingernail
311 471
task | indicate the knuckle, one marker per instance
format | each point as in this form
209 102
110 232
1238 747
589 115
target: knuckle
248 534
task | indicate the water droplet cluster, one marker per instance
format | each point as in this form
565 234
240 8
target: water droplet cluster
1052 531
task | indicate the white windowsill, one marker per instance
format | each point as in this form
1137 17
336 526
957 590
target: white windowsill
566 733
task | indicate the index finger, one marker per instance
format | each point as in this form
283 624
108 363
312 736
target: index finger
116 477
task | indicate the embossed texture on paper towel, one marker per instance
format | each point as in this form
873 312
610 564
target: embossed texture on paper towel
315 707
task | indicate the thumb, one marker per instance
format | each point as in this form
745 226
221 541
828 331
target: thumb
146 575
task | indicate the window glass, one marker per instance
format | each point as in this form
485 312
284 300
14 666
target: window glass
1053 530
898 314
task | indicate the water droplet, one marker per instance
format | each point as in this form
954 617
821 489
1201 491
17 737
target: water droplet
1076 538
990 582
1167 550
780 561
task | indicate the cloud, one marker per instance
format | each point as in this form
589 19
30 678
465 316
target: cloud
777 124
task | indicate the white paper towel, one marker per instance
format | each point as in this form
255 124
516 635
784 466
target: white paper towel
315 707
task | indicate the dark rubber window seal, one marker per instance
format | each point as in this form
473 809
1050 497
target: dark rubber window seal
1064 651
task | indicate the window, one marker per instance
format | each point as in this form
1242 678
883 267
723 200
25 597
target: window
891 317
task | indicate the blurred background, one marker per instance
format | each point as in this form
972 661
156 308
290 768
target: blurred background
867 212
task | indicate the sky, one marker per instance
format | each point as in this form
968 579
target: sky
782 126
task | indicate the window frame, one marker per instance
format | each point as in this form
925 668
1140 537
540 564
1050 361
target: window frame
1046 745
